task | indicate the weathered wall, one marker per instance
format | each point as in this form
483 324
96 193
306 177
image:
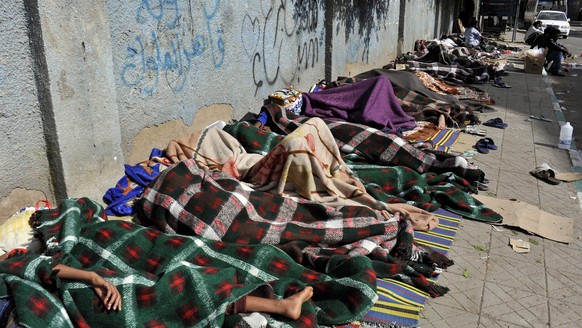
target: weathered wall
424 11
25 175
117 78
174 59
363 37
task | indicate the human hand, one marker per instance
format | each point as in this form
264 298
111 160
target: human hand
176 148
174 152
107 292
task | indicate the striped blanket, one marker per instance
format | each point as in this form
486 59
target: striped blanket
444 139
400 304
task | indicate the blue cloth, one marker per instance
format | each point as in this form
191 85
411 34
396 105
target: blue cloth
130 186
263 117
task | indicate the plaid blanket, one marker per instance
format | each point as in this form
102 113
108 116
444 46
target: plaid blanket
392 170
306 163
169 280
189 200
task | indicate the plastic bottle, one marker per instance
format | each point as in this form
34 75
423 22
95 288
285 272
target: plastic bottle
565 136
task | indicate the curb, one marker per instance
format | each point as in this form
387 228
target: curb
575 154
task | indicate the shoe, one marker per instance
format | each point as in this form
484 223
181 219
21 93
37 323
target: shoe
471 129
557 74
500 84
545 173
496 123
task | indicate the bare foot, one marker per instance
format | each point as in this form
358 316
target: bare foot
291 306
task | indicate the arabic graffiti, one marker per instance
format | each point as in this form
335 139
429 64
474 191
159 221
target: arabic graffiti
291 27
171 45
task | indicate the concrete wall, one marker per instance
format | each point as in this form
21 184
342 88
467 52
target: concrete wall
363 37
25 175
112 79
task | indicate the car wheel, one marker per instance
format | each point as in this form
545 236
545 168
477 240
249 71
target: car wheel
565 36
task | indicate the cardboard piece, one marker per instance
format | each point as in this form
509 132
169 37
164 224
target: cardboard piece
519 245
533 65
569 176
516 213
465 142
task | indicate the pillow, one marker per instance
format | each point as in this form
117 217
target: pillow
16 233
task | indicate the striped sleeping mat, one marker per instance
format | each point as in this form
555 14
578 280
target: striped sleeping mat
399 304
444 139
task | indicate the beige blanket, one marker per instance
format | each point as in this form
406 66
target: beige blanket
306 163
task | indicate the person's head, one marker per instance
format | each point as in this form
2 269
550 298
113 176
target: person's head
537 24
555 34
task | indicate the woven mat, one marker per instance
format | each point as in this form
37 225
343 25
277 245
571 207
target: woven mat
444 139
399 304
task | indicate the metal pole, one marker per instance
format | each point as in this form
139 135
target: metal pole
513 35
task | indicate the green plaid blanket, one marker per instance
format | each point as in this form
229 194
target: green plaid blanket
169 280
392 170
189 200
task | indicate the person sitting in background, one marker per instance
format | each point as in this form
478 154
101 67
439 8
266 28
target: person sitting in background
533 32
555 52
472 35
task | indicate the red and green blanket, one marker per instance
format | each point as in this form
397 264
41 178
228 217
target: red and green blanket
169 280
392 170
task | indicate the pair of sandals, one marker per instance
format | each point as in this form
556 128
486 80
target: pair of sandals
496 123
484 144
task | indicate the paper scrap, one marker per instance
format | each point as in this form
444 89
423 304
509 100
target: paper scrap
519 245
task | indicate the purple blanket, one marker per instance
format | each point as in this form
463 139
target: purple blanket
371 102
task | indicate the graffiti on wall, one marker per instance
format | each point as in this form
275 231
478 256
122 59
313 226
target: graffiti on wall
285 38
174 39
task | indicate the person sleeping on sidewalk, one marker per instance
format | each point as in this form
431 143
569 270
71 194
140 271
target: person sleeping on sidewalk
95 279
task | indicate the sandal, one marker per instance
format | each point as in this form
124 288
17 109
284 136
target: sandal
496 123
471 129
482 146
500 84
490 144
545 173
481 186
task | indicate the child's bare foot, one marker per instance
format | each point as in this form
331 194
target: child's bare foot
291 306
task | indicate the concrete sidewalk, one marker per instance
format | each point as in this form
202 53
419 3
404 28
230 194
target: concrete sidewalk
492 285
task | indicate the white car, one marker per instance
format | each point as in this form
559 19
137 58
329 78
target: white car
556 19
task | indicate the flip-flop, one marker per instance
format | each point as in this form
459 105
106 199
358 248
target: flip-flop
482 146
496 123
490 144
545 173
471 129
501 84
